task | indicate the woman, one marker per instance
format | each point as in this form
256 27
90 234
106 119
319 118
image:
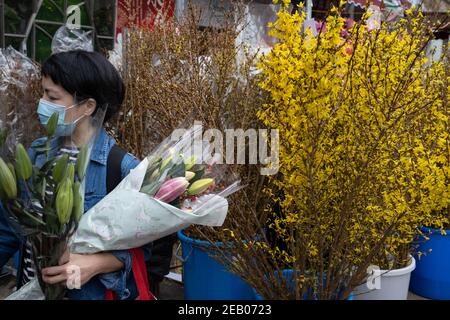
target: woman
77 84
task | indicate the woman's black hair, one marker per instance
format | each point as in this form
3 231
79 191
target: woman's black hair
87 75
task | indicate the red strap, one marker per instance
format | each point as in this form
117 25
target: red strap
109 295
140 276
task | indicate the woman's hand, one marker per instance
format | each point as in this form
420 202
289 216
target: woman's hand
84 266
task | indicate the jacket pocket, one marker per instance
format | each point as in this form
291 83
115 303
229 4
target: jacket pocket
91 199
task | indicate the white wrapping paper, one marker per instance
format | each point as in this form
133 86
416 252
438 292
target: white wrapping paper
127 218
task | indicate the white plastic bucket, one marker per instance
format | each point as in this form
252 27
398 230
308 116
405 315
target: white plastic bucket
393 285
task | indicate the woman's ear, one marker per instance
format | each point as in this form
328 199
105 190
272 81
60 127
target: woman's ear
91 104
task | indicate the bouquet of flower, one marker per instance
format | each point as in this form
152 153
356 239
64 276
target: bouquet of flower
169 190
44 199
45 202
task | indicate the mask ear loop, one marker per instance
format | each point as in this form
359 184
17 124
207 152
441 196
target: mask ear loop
76 105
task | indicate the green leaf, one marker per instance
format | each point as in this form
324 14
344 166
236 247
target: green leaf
48 166
153 165
152 176
177 171
60 167
51 124
23 165
33 219
198 167
151 188
82 162
198 175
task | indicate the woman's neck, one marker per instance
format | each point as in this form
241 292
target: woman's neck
82 133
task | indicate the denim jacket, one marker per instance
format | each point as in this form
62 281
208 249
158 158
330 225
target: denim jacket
122 281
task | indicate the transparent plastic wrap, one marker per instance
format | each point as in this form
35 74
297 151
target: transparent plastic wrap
30 291
116 56
255 25
173 188
42 189
20 89
68 39
253 37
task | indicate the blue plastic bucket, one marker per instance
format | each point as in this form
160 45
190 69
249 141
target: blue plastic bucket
431 278
288 274
206 279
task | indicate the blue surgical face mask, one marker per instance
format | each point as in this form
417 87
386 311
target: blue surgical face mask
45 111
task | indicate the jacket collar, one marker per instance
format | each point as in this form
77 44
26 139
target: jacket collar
100 150
102 146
